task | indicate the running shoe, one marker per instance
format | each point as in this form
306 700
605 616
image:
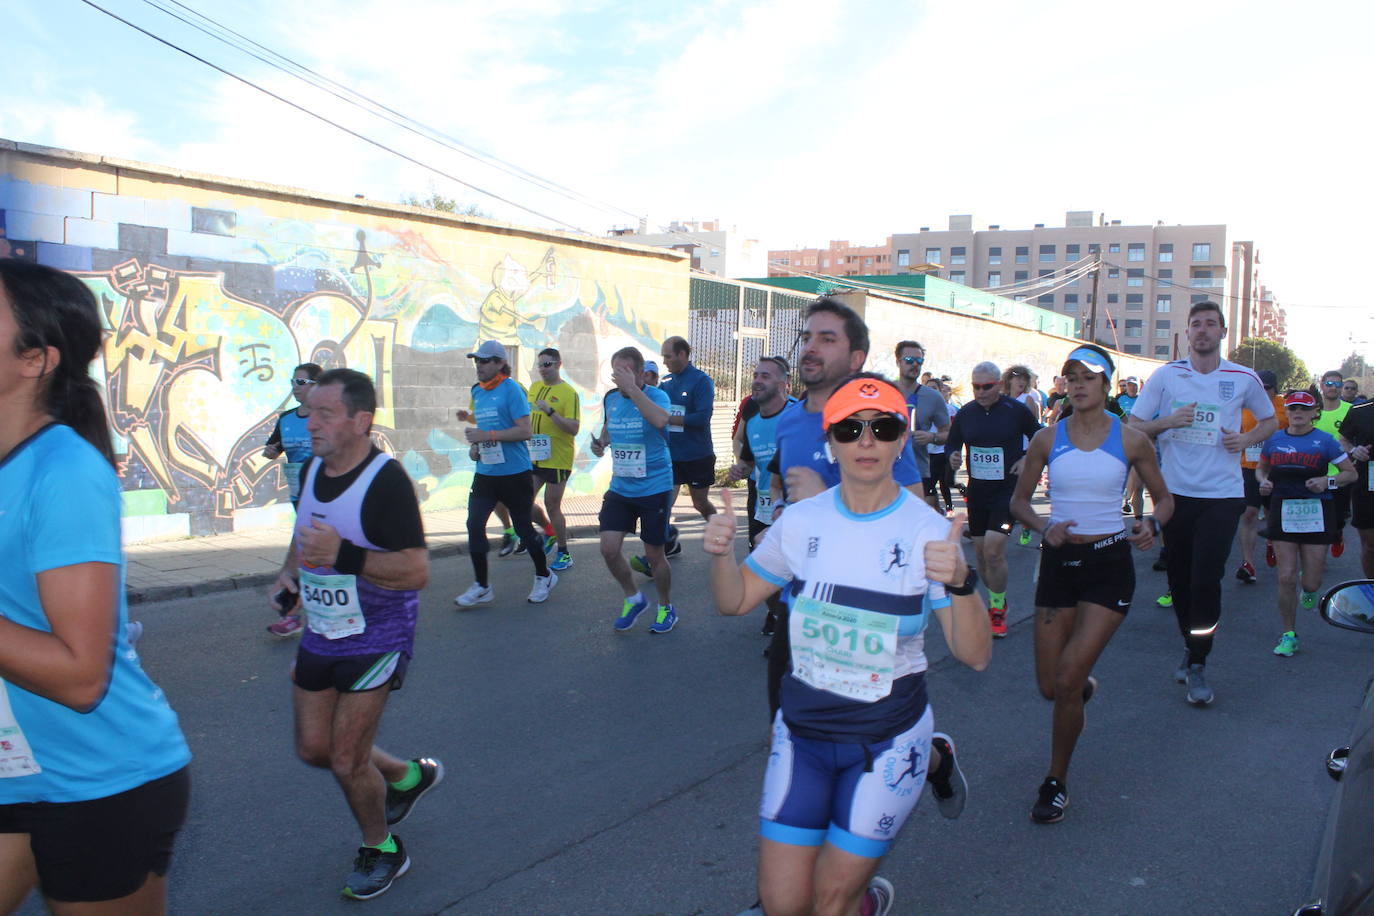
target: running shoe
288 626
1199 694
1025 537
475 595
1125 508
1288 644
665 620
672 548
1338 548
947 783
1161 562
630 612
374 871
1165 600
1246 573
542 586
1181 672
550 542
641 566
998 618
561 562
519 547
879 896
1270 558
400 802
1054 798
508 544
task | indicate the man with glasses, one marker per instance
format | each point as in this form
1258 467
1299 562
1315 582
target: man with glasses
1254 501
556 416
994 428
291 438
499 446
1192 407
1350 392
1333 413
756 437
930 419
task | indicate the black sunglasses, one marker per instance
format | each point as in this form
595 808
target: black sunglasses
978 387
547 365
301 382
483 360
884 429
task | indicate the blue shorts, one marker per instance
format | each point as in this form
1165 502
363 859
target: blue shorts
620 513
855 797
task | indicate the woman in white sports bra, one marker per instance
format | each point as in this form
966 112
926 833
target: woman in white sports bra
1087 574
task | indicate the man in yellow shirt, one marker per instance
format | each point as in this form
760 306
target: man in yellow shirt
555 418
1329 420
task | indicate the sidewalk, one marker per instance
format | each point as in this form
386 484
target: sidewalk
166 570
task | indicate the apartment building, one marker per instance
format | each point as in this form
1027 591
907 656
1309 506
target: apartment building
1150 274
839 259
713 248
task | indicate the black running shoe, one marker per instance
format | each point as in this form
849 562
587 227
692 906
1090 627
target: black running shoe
947 784
1054 798
399 803
374 870
672 548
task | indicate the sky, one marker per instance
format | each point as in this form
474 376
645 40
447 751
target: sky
795 121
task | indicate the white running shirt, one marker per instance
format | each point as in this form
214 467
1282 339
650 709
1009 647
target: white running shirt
1195 462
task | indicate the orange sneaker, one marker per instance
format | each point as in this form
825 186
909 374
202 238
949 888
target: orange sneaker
998 616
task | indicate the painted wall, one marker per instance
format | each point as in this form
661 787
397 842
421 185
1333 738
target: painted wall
213 291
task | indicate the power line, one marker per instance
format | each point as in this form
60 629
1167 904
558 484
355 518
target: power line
320 117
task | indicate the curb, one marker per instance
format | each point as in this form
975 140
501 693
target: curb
251 581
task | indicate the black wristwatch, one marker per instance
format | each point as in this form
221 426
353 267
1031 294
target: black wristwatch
967 587
548 412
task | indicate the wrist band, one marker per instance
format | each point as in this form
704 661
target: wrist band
350 559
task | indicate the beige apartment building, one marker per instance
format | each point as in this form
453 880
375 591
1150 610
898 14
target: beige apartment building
713 247
1149 277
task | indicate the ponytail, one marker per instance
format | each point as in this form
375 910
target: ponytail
54 309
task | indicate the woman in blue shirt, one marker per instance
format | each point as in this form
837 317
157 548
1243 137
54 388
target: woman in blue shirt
93 767
1302 516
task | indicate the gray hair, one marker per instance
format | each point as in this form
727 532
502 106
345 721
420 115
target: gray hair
986 368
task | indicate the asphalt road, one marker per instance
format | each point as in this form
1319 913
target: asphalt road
594 772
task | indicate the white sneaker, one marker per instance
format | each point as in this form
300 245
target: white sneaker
542 586
475 595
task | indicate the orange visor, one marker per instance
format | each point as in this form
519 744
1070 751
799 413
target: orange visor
863 394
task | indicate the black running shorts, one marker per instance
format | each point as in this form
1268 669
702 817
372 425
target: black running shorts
989 510
1331 525
349 673
1100 572
105 848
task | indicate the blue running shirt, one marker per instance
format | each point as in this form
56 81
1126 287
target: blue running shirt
629 431
499 409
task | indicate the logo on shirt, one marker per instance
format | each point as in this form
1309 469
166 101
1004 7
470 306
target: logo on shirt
813 546
1226 390
895 556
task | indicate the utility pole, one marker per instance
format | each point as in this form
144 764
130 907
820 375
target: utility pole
1090 331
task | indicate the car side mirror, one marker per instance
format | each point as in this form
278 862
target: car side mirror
1350 606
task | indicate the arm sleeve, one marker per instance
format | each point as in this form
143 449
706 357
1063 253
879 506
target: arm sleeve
955 442
1146 406
767 561
74 517
703 401
391 513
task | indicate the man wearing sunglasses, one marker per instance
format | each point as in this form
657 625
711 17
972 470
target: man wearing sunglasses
291 438
930 419
1329 420
1350 393
556 416
503 473
994 428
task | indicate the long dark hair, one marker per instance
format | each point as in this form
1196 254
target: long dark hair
55 309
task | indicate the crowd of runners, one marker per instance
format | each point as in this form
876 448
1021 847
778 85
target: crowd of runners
854 518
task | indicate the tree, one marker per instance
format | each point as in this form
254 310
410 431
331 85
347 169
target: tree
437 201
1258 353
1354 366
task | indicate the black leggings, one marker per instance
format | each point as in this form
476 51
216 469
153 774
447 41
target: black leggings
940 477
517 492
1199 537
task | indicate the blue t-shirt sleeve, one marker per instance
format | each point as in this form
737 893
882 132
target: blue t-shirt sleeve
517 402
906 472
74 515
